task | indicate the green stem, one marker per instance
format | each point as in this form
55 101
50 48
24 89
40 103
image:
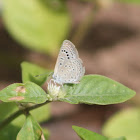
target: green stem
18 113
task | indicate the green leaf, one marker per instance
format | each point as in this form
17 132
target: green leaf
125 123
12 129
85 134
36 25
25 93
30 71
30 130
96 89
131 1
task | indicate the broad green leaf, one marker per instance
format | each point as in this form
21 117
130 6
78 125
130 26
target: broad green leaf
125 123
37 25
96 89
30 130
31 71
131 1
25 93
85 134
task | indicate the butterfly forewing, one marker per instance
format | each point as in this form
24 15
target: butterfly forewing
68 68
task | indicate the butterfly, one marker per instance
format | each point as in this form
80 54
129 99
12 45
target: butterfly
69 67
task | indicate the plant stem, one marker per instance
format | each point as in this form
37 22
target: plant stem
18 113
84 26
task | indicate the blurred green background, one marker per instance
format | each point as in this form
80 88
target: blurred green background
107 36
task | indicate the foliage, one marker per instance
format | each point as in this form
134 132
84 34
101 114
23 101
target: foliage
85 134
130 1
25 93
36 24
41 25
92 89
30 130
11 130
31 72
125 122
97 90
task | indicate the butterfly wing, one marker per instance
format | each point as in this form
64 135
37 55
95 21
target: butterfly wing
68 68
67 52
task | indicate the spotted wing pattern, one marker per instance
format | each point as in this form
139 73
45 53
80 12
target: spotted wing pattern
69 67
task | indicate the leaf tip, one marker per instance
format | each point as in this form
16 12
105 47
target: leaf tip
74 127
42 137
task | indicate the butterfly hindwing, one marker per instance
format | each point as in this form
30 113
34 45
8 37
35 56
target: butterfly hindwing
68 68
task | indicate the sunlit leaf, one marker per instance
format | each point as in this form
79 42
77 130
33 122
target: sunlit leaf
31 72
96 89
125 123
85 134
19 92
131 1
37 25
